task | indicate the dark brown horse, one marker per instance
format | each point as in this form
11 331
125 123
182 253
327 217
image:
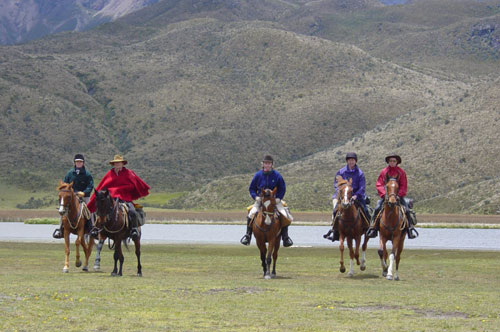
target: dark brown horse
352 226
267 228
393 223
112 219
74 216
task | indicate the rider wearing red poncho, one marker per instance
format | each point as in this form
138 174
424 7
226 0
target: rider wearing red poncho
392 171
124 184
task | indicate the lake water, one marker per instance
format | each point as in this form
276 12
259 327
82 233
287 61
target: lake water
306 236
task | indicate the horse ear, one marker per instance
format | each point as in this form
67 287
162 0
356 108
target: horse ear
397 177
274 191
350 180
387 177
338 178
70 185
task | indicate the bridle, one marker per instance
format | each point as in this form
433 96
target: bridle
267 211
107 209
64 208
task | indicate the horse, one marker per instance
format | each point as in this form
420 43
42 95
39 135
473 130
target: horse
393 222
267 228
351 226
74 215
112 218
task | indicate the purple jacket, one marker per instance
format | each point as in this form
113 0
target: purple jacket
358 181
267 181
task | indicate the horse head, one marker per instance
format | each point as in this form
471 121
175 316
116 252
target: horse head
391 190
65 196
104 203
344 192
268 197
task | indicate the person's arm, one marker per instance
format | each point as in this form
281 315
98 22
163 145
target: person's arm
90 184
281 188
362 183
381 184
253 187
403 184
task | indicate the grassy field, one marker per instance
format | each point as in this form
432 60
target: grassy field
220 288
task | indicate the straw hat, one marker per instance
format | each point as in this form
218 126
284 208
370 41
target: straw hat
117 159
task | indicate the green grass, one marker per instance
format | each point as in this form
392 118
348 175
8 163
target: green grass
220 288
158 199
11 196
40 221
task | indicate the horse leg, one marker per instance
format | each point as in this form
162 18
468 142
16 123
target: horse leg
97 262
138 254
275 258
363 253
79 239
382 254
398 255
341 247
391 264
87 249
262 249
351 257
66 250
116 257
270 249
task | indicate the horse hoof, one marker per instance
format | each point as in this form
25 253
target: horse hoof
384 274
97 268
114 274
342 269
389 277
65 270
396 278
362 267
78 264
267 277
139 274
85 268
273 276
350 274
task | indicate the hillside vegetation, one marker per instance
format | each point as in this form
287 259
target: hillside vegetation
194 93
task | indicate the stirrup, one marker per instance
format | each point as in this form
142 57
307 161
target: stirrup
94 232
412 233
245 240
134 234
57 234
371 233
287 242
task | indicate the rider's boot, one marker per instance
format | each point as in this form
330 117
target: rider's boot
372 230
287 241
412 232
134 231
94 232
58 233
245 240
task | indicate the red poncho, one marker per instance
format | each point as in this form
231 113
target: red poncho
393 172
126 185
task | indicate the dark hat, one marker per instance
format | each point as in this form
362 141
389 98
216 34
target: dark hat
351 155
268 158
393 155
79 157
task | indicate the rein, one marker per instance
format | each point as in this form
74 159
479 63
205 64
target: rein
79 213
111 217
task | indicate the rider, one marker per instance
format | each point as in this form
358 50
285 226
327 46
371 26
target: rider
124 184
83 183
267 178
392 170
350 171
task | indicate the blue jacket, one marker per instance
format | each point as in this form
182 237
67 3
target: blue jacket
262 181
358 181
81 182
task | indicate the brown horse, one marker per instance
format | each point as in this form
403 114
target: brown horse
74 216
112 219
267 228
393 223
352 226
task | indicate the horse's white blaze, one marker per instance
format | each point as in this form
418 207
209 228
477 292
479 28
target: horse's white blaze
345 195
266 204
268 220
61 205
